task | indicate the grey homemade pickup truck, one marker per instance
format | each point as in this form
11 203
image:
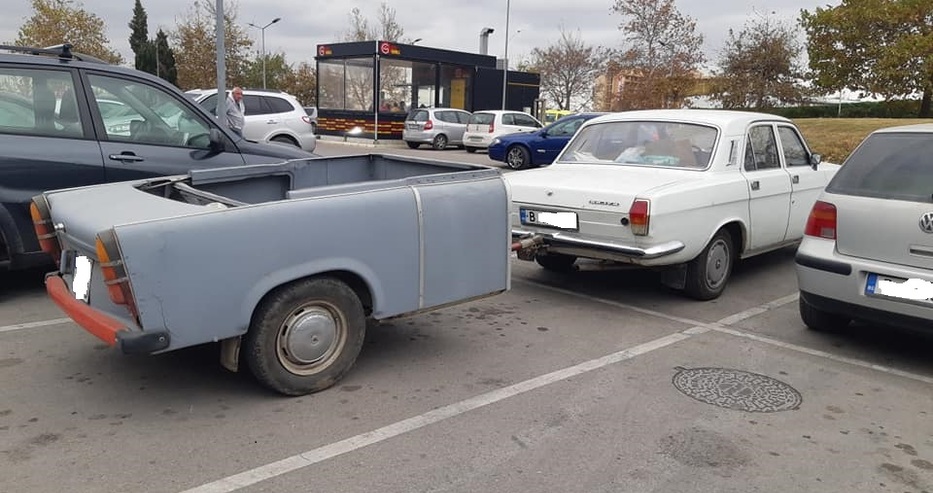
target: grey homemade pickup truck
283 263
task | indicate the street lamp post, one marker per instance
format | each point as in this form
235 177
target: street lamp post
262 30
505 61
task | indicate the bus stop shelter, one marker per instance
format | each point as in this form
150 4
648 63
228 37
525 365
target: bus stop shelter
366 89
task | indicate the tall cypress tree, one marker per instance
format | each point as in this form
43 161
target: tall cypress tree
139 39
165 57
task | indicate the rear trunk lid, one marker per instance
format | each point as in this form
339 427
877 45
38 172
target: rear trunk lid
900 232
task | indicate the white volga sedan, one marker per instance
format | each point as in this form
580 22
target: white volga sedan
687 191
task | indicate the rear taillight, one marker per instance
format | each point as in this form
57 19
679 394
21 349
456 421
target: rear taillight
428 125
114 272
45 231
492 127
307 119
639 216
822 221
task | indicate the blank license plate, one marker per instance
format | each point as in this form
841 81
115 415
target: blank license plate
893 287
562 220
81 282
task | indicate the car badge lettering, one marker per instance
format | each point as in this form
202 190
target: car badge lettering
926 223
604 202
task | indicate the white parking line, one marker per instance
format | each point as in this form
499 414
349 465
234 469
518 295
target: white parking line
30 325
320 454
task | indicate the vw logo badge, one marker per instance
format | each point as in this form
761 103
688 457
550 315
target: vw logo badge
926 222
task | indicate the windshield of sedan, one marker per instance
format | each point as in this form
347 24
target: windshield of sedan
643 143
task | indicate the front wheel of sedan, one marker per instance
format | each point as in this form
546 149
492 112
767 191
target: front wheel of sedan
517 157
819 320
709 272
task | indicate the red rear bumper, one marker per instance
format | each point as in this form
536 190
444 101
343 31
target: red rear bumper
94 321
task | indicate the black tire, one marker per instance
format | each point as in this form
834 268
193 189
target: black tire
556 262
275 361
413 145
281 139
469 149
819 320
709 272
440 142
517 157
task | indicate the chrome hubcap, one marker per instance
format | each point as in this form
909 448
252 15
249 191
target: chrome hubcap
309 336
516 158
717 264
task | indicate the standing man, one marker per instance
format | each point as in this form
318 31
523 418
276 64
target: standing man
235 112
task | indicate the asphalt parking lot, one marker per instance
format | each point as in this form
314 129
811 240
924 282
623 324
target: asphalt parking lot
599 381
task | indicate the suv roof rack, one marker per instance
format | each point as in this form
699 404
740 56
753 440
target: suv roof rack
61 51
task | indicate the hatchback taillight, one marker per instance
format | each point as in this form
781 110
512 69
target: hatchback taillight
492 127
822 221
307 119
114 272
428 125
639 216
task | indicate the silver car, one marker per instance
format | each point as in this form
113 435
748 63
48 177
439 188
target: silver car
868 250
438 127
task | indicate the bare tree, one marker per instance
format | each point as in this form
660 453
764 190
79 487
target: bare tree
759 67
568 70
385 29
359 79
662 56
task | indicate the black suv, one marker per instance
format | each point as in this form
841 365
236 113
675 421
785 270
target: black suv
69 120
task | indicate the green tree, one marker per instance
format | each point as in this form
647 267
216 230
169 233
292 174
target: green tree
759 67
165 58
195 48
568 69
277 69
301 82
875 46
661 56
139 39
55 22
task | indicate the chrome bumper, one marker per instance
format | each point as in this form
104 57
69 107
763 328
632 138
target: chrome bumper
559 239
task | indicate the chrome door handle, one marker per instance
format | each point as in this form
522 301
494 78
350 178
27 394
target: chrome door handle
756 185
126 158
272 122
796 179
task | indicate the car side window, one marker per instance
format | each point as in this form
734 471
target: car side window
39 102
463 117
278 105
566 128
795 154
761 149
508 119
147 114
525 121
254 105
443 116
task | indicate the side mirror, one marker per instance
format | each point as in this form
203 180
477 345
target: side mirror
216 140
815 160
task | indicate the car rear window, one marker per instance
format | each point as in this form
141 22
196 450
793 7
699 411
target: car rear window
890 166
482 118
418 116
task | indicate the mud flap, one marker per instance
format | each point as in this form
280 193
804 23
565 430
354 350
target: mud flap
675 276
230 353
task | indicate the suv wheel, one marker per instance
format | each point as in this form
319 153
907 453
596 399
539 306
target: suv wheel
281 139
440 142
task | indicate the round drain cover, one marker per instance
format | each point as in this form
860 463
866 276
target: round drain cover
738 390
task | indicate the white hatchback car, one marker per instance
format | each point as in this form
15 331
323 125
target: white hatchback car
484 126
868 250
270 116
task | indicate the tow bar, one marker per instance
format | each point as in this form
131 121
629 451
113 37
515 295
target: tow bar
527 247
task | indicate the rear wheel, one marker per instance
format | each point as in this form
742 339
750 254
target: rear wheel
517 157
819 320
470 149
305 336
413 145
709 272
440 142
556 262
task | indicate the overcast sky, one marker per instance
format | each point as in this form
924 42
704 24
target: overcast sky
446 24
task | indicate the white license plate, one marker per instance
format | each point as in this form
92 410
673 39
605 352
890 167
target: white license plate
81 280
562 220
893 287
471 139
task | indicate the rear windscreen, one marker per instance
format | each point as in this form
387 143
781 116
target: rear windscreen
889 165
418 116
482 118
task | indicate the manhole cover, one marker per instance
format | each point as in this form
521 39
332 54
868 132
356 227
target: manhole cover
735 389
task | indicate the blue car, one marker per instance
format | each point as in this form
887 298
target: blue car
530 149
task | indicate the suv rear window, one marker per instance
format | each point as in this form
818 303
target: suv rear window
889 166
482 118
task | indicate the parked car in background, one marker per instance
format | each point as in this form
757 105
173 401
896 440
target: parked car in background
437 127
867 253
529 149
688 192
486 125
270 116
67 120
